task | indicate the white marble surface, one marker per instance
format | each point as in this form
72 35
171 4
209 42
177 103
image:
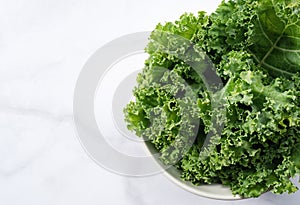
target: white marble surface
43 46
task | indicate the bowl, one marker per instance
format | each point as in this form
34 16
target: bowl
212 191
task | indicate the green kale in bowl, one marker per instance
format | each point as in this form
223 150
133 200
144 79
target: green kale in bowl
244 134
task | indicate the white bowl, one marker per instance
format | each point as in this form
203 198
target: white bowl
213 191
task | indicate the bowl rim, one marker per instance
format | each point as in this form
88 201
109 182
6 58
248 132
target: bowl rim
170 173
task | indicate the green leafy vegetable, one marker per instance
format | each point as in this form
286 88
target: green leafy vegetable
252 121
276 41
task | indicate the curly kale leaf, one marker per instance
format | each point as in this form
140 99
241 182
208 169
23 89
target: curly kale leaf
268 29
276 39
255 48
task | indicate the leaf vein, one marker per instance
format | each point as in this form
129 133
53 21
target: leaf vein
264 33
277 69
286 50
294 37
